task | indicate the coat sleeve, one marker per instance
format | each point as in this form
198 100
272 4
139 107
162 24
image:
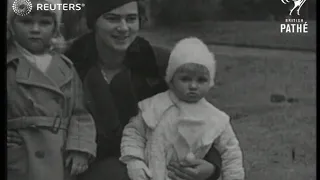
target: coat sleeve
213 156
232 163
81 130
162 58
133 140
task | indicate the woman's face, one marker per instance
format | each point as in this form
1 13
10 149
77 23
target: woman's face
119 27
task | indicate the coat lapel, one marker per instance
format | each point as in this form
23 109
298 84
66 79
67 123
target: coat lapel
191 131
101 102
59 71
153 109
199 125
28 74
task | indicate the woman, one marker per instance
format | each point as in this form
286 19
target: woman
118 69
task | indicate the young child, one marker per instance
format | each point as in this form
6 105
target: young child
179 123
50 135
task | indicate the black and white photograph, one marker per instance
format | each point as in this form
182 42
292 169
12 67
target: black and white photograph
161 90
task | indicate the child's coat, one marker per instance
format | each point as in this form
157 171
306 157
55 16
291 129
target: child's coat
162 133
47 111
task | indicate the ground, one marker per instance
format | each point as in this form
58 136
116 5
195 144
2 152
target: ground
271 97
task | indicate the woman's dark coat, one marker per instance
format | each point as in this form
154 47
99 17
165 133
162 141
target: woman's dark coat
112 105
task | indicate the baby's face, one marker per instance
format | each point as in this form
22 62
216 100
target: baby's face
190 86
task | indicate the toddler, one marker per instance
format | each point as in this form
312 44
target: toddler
180 123
50 135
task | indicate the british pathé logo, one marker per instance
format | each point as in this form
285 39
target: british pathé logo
294 25
297 4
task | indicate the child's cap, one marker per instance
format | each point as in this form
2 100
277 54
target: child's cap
57 12
191 50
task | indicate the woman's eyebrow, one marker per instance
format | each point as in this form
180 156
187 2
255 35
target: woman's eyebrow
132 14
111 14
120 15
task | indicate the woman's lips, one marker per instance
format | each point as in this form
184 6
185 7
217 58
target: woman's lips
120 38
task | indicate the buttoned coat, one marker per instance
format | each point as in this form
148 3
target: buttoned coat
46 109
165 131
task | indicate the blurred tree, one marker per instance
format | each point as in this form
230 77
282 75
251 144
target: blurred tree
172 12
243 9
276 8
308 10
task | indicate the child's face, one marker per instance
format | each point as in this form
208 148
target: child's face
34 31
189 84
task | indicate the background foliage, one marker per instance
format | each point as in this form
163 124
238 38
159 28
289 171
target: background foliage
175 12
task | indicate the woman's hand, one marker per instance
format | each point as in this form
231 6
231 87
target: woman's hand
77 161
191 169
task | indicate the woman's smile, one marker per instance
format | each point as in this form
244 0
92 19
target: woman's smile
120 38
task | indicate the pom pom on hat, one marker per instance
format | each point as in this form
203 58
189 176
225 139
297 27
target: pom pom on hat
191 50
95 8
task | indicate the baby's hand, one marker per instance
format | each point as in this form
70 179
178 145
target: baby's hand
78 161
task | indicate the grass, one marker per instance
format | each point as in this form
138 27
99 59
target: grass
248 34
269 133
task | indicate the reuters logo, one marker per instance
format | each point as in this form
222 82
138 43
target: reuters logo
22 7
